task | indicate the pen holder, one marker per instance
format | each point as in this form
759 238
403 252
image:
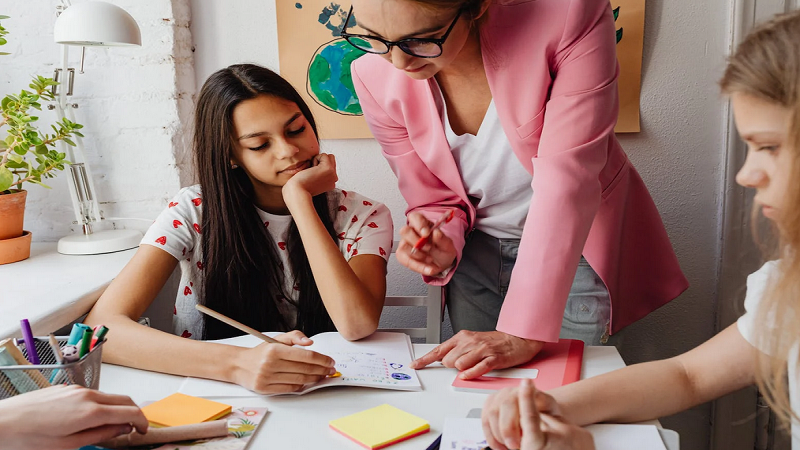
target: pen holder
20 379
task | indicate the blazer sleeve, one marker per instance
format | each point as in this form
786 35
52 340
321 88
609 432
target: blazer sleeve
424 192
576 137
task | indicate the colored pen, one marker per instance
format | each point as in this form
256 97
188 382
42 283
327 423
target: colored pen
99 334
86 341
235 324
57 354
446 217
76 333
30 344
435 444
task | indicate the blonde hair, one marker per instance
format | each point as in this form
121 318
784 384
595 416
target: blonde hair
766 65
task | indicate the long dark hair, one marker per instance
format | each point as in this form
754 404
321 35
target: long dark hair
243 276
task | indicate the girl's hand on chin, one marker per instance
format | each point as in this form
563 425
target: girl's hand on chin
319 178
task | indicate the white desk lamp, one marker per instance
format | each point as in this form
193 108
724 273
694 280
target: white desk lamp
96 24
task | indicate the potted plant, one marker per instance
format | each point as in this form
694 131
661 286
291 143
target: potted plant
27 155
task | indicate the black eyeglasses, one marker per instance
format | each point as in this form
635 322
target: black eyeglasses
421 48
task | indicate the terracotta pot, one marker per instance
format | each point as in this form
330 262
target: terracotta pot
15 249
12 213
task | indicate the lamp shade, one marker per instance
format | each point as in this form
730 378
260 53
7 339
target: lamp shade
98 24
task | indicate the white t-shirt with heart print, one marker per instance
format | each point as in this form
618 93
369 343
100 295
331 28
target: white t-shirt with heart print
363 226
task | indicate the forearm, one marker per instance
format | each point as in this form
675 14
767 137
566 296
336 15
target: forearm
352 307
636 393
134 345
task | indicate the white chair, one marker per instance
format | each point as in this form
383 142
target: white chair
432 333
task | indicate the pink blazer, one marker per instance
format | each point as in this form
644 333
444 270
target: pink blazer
552 70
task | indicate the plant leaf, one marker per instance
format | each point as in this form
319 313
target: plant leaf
40 184
6 178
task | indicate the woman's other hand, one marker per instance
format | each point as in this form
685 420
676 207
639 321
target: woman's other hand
434 257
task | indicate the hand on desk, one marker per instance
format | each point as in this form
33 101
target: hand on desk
275 368
66 417
434 257
528 419
476 353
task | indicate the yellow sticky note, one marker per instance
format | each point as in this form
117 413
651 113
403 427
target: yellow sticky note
181 409
380 426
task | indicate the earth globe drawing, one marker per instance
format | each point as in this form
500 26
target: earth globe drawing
330 82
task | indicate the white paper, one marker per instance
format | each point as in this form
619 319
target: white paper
467 434
513 373
380 360
626 437
462 434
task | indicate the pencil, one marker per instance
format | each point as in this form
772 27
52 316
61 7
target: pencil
446 217
235 324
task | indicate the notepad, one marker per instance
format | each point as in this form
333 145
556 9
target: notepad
379 361
380 426
557 364
181 409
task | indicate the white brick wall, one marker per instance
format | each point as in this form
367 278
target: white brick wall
135 104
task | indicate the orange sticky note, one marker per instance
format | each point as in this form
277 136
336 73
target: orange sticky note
380 427
181 409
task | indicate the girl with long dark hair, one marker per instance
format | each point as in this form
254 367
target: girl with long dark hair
264 238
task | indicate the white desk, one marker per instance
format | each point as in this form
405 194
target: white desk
51 290
301 422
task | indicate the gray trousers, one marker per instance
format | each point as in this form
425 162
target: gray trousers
476 292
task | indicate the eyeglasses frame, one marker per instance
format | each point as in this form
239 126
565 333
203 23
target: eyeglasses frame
389 44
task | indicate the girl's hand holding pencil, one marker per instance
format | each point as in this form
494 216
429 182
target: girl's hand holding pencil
276 369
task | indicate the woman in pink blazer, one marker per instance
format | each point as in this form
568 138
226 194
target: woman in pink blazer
503 112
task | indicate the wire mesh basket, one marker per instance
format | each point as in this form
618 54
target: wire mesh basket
20 379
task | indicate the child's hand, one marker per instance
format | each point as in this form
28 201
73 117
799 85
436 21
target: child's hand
66 417
528 419
276 368
434 257
319 178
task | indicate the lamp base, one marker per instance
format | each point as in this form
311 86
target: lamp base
100 242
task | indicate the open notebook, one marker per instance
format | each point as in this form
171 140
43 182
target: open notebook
380 361
467 434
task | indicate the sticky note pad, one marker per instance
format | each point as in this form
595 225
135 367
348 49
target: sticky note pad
380 427
182 409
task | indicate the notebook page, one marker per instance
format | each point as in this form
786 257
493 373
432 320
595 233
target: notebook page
626 437
467 434
381 360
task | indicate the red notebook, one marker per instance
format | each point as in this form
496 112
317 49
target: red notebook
557 364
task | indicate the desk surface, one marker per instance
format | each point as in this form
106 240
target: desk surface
301 422
51 290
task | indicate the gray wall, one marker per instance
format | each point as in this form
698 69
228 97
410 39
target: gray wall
680 155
